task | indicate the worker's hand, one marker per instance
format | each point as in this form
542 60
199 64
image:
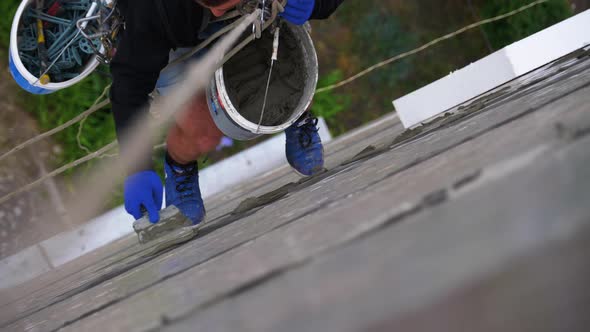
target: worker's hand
144 189
298 11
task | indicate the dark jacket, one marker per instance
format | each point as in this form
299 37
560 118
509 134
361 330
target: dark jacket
152 29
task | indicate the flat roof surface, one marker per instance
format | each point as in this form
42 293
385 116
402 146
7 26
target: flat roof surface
477 221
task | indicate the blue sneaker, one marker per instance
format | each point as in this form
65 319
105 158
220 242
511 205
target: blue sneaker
305 152
182 189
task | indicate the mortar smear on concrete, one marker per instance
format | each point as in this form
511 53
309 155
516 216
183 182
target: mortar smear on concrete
246 75
170 219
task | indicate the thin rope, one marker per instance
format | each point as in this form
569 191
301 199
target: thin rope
58 171
81 126
428 45
79 136
55 130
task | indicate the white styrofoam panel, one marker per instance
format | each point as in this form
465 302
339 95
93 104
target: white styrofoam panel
496 69
454 89
550 44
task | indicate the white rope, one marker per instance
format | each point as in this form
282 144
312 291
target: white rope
80 127
57 172
57 129
428 45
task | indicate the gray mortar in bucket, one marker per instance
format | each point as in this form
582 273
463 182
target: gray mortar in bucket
236 93
246 75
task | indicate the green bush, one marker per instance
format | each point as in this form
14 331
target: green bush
328 104
363 34
55 109
7 10
505 32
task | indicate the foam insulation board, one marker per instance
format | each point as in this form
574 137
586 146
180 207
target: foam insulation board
496 69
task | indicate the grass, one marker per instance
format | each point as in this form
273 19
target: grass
328 104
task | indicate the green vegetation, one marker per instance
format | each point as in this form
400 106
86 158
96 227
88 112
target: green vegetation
55 109
520 26
7 10
330 103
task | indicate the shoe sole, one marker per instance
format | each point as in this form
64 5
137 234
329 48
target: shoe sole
298 173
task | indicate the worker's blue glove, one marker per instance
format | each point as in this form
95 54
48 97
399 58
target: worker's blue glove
298 11
144 189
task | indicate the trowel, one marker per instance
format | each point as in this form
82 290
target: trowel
173 228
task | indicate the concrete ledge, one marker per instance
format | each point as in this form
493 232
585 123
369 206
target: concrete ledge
25 265
101 231
496 69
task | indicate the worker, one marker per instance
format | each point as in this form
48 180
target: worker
154 28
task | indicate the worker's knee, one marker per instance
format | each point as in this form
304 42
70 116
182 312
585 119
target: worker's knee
194 132
188 148
196 119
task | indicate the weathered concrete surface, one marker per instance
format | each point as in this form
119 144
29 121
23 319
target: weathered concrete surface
432 251
80 273
363 218
39 285
29 263
412 187
88 271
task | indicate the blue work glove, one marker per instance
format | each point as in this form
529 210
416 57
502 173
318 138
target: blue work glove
298 11
144 189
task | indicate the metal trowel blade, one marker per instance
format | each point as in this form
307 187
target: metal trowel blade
170 220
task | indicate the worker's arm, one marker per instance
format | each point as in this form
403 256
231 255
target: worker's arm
324 8
300 11
142 53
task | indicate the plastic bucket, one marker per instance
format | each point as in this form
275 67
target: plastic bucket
23 77
224 107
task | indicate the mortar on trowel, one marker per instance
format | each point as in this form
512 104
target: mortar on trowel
173 228
236 93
